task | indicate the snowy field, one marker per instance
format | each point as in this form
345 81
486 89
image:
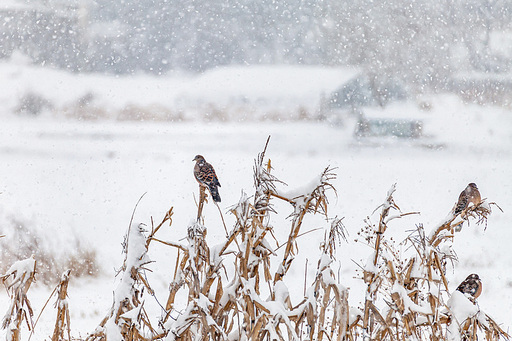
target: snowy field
69 177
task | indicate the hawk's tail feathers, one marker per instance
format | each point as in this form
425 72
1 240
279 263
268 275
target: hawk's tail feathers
215 193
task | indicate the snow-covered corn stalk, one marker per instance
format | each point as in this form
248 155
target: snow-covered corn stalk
276 317
325 309
197 271
381 272
252 303
62 320
127 319
237 290
17 281
438 251
415 302
312 201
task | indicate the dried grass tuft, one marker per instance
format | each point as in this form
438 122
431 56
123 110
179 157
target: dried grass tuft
23 240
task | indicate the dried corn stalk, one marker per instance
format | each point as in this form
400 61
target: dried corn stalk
62 320
17 281
414 288
406 284
127 319
254 302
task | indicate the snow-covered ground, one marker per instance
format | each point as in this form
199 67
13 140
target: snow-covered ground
84 178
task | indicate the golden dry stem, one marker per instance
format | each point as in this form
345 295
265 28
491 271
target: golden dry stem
202 198
62 320
128 312
371 277
17 281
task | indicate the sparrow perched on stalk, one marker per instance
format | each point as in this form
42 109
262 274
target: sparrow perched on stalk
472 285
468 195
205 175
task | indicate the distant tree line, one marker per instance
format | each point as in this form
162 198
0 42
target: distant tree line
422 41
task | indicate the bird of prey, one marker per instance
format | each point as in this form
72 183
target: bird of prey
205 175
472 286
468 195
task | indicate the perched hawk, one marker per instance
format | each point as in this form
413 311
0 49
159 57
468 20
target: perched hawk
205 175
469 195
471 285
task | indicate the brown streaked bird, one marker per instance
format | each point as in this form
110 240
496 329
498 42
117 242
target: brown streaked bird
472 286
467 196
205 175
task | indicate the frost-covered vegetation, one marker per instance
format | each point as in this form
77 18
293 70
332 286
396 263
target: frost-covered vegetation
238 289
